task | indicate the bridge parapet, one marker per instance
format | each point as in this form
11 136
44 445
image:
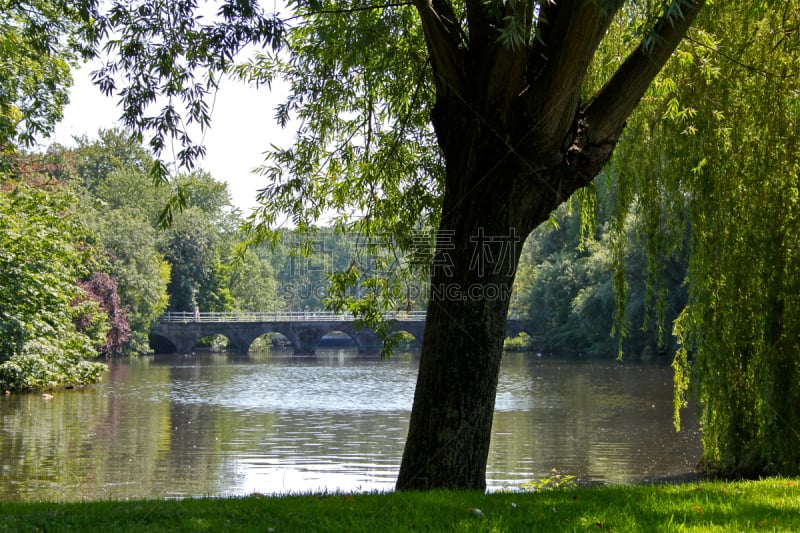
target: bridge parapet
182 317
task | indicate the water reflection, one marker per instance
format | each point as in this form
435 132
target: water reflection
220 424
603 421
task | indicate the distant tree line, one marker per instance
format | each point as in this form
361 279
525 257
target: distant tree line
585 292
131 270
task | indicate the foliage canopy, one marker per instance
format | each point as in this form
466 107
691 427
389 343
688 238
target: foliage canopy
39 41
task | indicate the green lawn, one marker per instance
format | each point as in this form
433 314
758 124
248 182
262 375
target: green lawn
767 505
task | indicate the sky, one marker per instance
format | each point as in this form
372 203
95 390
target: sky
242 128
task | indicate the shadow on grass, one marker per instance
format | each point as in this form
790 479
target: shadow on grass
744 506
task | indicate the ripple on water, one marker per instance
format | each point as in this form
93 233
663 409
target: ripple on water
287 388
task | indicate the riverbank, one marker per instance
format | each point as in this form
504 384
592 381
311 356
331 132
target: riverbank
767 505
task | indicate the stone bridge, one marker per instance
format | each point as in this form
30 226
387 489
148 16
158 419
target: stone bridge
179 332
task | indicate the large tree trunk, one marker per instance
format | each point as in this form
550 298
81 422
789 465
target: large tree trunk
478 247
450 428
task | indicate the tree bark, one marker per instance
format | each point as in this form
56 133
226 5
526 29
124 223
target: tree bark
450 428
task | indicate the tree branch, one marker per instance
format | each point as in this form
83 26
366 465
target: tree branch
345 11
605 115
478 24
730 57
573 34
503 65
548 12
444 38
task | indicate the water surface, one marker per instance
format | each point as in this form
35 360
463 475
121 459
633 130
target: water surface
224 424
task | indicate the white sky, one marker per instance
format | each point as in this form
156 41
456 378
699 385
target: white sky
242 128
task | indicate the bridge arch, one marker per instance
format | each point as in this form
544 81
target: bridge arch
410 338
339 337
515 327
272 339
246 334
161 344
235 341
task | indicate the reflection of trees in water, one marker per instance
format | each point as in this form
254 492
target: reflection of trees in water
162 426
89 444
601 420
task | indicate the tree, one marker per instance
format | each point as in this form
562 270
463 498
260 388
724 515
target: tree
733 161
94 161
253 285
102 290
476 119
47 327
109 174
136 264
198 246
190 249
39 40
565 282
202 191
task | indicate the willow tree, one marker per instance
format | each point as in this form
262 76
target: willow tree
476 118
729 168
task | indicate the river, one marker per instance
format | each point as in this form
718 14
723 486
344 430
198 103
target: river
272 423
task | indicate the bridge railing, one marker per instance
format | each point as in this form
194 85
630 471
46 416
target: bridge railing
280 316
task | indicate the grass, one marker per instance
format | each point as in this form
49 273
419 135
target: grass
766 505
